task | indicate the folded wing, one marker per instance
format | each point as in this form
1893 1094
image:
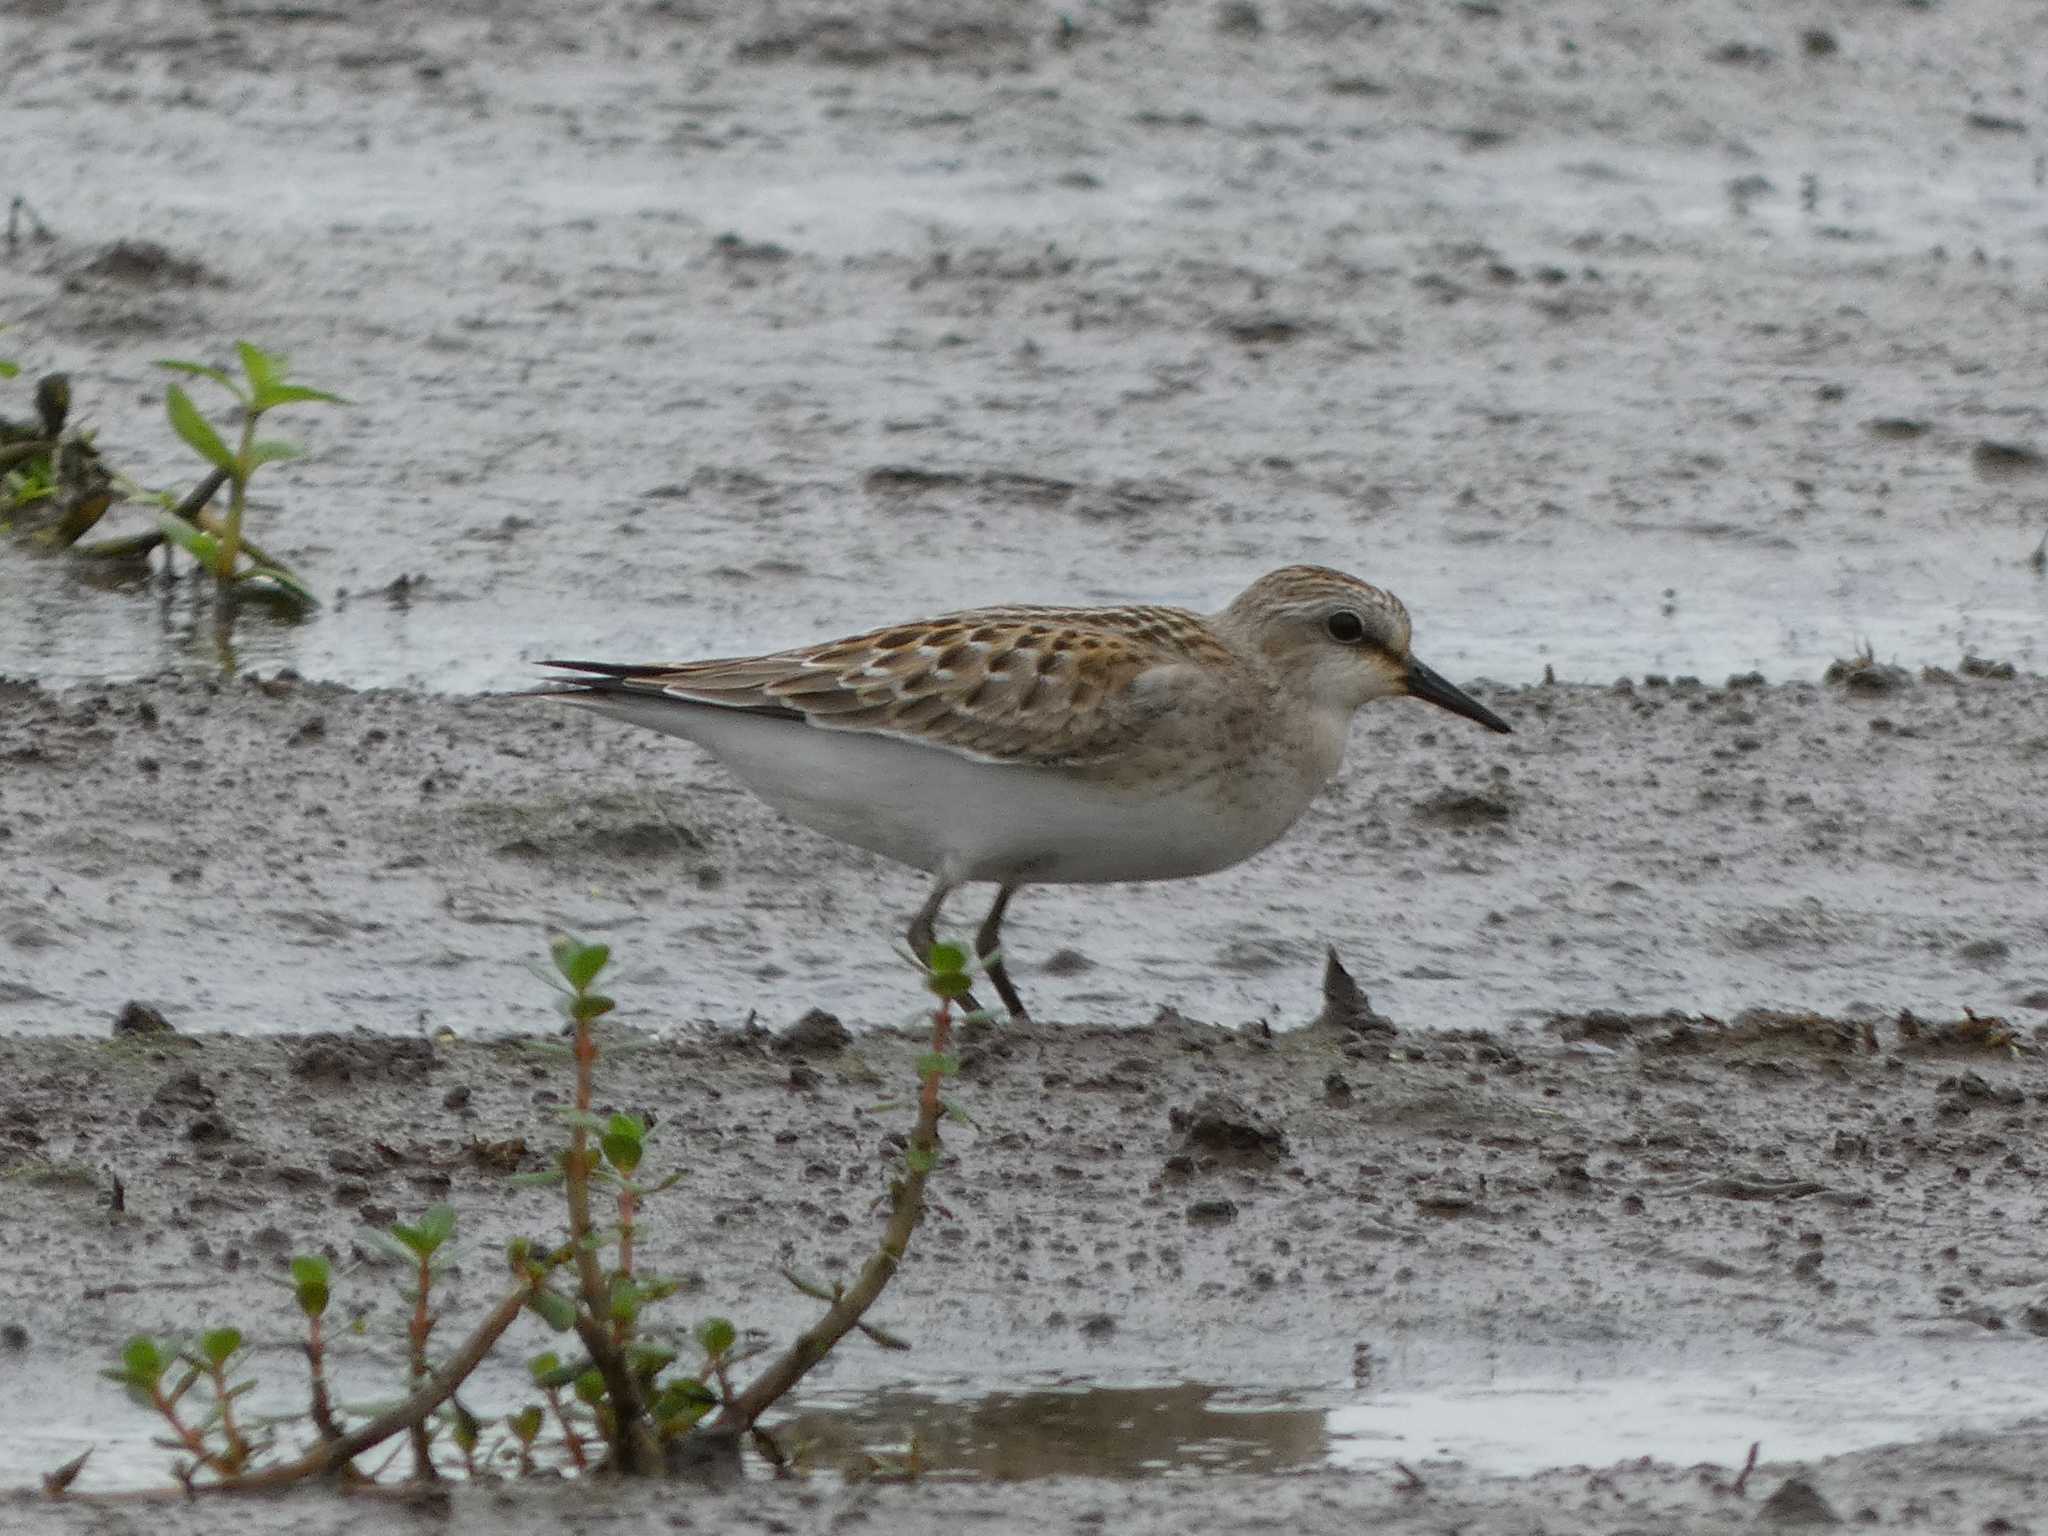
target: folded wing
1048 686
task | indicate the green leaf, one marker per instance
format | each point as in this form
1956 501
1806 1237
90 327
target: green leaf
263 369
292 394
310 1276
561 1375
682 1403
439 1223
203 371
143 1363
196 430
131 546
933 1063
432 1230
311 1269
579 962
716 1335
623 1141
196 542
921 1159
590 1386
950 984
542 1366
268 450
650 1360
588 1007
525 1424
216 1344
557 1311
947 958
284 581
582 1120
8 370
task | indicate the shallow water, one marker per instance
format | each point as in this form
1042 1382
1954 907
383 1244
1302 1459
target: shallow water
1578 398
1509 1426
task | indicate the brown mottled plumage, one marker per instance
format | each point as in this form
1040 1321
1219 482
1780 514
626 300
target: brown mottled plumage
1056 745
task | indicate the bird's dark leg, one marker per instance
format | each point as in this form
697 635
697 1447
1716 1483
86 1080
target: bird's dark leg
987 947
923 933
922 926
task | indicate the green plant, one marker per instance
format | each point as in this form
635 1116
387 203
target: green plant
261 389
633 1388
55 486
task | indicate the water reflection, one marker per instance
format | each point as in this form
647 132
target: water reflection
1504 1426
1092 1432
72 620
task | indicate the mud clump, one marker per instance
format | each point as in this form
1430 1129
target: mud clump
1984 667
1796 1502
1675 1033
1970 1034
1993 460
1466 808
1605 1026
1959 1095
1218 1129
817 1033
339 1059
141 1019
185 1090
141 264
1866 674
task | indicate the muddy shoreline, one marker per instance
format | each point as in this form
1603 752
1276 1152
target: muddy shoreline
271 855
1779 1195
1618 340
1599 1199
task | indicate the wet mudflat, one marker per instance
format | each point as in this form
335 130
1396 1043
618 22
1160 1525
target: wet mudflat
1470 1257
1631 343
276 856
1694 340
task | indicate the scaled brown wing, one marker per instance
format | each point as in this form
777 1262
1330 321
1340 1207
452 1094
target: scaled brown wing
1024 685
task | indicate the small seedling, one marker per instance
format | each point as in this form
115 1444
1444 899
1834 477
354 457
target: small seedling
261 389
618 1390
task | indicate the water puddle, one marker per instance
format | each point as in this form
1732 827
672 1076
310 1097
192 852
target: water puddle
1507 1427
1078 1431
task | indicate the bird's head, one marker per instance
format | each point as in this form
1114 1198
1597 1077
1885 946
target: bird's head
1342 642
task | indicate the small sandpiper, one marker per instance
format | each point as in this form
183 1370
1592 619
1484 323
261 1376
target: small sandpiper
1048 746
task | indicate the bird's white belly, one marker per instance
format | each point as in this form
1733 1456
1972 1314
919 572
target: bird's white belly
972 820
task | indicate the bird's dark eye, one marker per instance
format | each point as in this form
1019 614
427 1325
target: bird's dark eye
1345 627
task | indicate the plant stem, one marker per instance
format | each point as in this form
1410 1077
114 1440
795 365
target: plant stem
316 1369
332 1455
238 1449
813 1345
634 1448
22 452
416 1339
622 1327
570 1439
231 534
188 1437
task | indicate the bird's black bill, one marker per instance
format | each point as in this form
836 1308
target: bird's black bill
1431 686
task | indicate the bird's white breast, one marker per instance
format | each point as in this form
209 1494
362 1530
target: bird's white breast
976 820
